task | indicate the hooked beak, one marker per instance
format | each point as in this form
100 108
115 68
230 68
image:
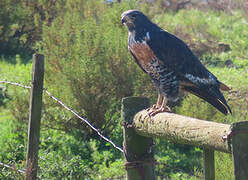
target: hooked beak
123 20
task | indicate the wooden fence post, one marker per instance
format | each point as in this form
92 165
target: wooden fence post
239 140
208 164
35 116
138 150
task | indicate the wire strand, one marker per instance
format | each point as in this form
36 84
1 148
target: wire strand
12 168
70 110
84 120
15 84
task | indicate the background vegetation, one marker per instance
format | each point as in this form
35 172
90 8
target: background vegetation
89 68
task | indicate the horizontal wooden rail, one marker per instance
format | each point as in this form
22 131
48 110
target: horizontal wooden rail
141 128
183 130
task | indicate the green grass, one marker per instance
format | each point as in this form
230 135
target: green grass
17 72
13 72
12 133
237 78
5 127
223 166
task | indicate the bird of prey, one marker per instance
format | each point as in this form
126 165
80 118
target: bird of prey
171 64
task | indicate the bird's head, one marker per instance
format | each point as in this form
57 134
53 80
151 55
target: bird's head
133 18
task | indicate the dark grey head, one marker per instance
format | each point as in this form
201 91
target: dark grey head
134 19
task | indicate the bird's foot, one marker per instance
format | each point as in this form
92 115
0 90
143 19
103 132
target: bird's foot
159 110
154 107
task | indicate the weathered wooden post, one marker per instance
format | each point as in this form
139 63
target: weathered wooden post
239 140
208 164
35 116
138 150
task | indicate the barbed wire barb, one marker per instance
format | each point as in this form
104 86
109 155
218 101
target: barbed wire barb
69 109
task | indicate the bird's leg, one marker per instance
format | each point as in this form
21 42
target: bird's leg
162 108
159 101
157 105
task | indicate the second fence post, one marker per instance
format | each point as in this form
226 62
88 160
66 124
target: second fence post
35 116
208 163
138 150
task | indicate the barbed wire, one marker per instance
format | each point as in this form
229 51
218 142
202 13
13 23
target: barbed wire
15 84
70 110
12 168
84 120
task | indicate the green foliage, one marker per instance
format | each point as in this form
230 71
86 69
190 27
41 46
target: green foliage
21 24
19 73
224 166
174 159
112 170
12 19
64 155
86 60
2 95
13 145
67 155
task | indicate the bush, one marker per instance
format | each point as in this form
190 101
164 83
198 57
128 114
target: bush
87 62
21 24
67 155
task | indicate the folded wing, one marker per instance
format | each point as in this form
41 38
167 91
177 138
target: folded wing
194 77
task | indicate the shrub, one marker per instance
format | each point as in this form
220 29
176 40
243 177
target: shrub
87 62
21 24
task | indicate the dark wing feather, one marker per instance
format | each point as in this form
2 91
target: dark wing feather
222 107
177 56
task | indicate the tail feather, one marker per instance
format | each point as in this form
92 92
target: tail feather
214 98
224 87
